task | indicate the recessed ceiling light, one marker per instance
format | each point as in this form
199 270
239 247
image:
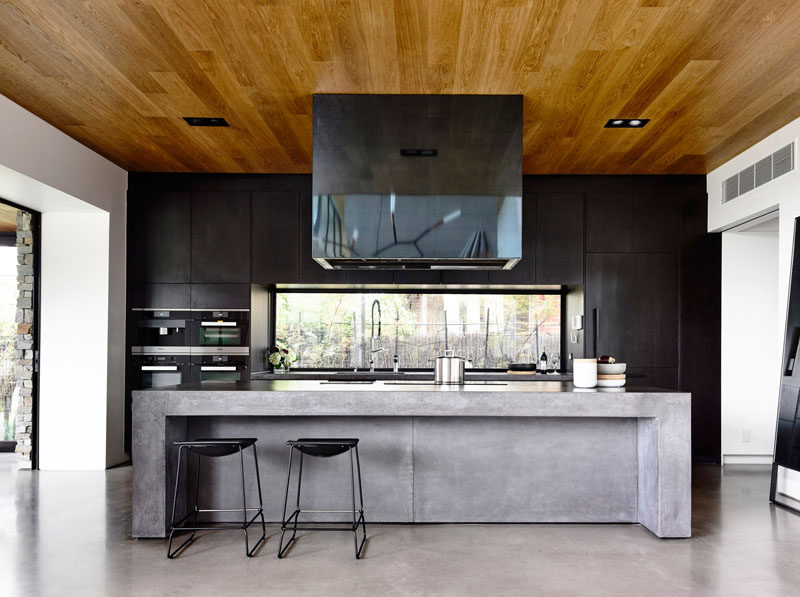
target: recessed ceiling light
202 121
626 123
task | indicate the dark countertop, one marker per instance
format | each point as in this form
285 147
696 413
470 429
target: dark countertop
415 375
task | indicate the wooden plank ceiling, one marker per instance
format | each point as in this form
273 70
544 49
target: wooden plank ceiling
715 76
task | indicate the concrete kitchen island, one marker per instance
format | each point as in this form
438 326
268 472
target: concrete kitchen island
516 452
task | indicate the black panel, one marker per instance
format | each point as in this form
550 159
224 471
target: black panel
159 296
701 292
158 236
609 223
220 237
783 442
654 377
358 139
220 296
787 408
465 277
276 233
637 301
525 271
559 238
418 277
369 276
655 223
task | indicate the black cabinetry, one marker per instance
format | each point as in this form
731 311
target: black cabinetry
277 234
220 296
642 222
609 222
159 296
559 238
220 244
635 299
159 224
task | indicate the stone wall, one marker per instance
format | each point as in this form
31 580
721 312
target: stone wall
24 342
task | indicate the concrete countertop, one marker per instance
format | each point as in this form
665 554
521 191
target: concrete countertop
384 398
281 384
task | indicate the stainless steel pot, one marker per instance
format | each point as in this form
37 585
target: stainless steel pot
449 369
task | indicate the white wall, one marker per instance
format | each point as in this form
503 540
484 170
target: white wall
782 193
82 199
750 353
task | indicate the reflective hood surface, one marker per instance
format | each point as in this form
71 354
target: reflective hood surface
417 181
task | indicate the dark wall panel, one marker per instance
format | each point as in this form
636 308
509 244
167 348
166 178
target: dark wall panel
609 222
559 238
159 223
275 230
220 237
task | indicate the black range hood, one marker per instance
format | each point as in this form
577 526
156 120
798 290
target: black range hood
417 181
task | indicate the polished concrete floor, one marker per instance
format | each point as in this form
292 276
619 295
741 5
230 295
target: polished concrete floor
68 533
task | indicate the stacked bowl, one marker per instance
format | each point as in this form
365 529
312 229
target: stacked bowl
611 375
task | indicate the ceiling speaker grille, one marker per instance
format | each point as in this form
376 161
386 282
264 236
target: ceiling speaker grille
764 170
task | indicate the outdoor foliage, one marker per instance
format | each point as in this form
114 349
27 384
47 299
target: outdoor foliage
334 329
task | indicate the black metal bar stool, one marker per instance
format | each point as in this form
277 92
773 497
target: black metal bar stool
215 448
324 448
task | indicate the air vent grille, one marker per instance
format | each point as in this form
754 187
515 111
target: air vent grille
769 168
763 170
747 179
783 161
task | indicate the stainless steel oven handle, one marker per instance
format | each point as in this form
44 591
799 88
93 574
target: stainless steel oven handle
218 324
209 368
159 367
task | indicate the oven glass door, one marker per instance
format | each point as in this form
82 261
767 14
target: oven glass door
226 333
220 373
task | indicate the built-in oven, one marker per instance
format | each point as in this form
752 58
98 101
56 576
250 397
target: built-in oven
220 367
221 328
162 328
159 370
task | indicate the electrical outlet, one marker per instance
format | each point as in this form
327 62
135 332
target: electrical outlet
745 435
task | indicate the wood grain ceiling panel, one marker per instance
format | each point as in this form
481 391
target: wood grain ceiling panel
714 76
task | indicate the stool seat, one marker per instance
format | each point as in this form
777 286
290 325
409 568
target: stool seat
323 447
223 446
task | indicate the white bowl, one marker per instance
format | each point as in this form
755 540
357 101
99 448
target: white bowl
611 368
610 383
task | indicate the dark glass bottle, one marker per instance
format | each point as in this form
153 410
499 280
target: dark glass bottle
543 363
